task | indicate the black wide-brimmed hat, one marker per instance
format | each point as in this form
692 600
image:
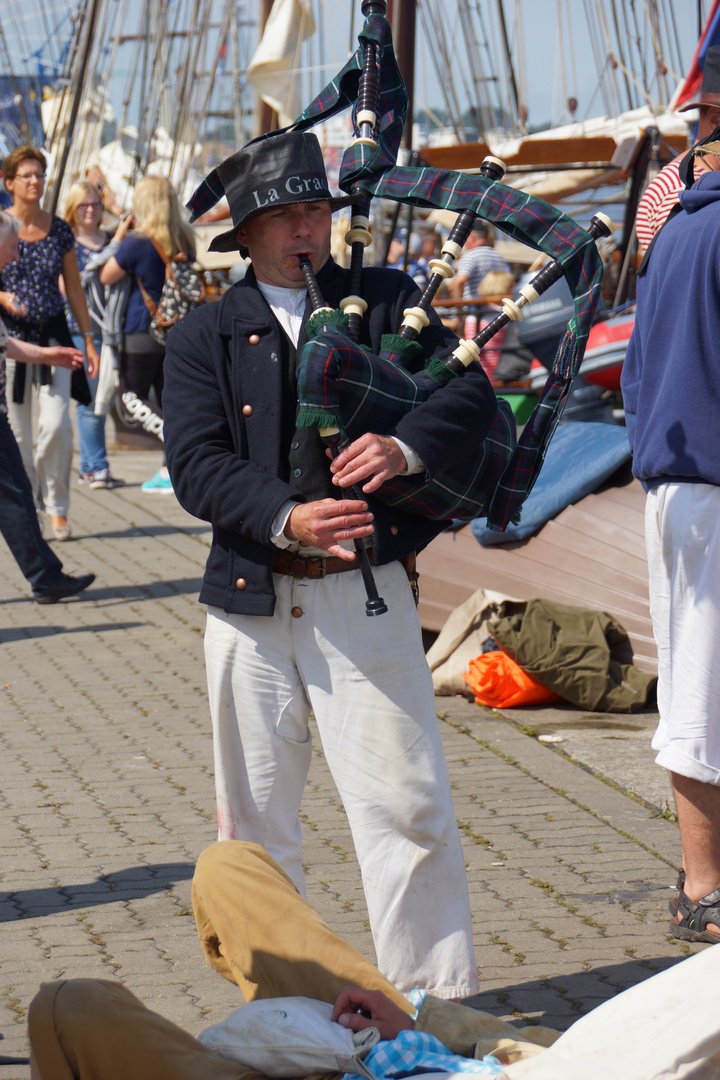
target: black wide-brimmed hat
272 171
710 85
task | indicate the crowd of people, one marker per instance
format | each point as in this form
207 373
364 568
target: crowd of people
67 283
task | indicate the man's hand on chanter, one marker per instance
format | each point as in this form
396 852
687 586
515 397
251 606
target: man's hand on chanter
325 522
360 1009
375 458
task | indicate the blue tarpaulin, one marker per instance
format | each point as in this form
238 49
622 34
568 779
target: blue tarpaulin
579 459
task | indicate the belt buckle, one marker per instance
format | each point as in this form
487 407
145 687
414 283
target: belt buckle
298 566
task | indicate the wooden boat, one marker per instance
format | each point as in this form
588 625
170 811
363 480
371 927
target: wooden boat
605 351
592 555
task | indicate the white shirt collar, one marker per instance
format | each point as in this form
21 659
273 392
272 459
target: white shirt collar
288 305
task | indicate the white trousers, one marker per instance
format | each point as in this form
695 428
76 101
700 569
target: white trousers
369 687
682 535
49 467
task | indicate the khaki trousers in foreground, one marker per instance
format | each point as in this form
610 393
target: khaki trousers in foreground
255 929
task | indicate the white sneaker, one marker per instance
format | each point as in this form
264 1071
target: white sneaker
103 478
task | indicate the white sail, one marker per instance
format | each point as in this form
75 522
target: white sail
273 70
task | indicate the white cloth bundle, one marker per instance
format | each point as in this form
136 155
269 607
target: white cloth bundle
290 1037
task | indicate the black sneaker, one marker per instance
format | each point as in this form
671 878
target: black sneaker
66 586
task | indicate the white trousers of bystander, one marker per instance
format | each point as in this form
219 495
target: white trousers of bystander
682 535
48 466
369 687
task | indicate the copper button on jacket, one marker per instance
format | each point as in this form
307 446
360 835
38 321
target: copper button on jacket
394 530
296 612
254 339
247 410
241 583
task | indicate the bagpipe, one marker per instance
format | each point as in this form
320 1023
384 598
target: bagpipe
344 391
335 375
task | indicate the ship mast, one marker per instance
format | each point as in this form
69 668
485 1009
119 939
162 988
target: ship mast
74 108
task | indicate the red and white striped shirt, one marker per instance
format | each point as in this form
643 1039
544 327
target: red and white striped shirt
657 202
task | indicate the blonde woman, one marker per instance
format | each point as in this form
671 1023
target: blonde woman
159 228
82 211
34 311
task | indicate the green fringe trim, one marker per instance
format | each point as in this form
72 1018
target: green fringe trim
320 319
410 351
438 370
310 416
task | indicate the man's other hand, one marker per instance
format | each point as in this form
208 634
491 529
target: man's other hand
361 1009
324 523
375 458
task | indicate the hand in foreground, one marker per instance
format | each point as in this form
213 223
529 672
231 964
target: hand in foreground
61 356
56 355
93 360
325 522
381 1012
127 222
375 458
11 303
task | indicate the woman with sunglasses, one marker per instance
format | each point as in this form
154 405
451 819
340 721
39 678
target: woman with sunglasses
32 307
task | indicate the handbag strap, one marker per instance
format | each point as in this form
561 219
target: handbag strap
180 257
149 302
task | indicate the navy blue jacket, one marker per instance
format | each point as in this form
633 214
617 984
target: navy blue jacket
671 374
222 413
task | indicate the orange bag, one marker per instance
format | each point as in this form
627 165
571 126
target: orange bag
498 682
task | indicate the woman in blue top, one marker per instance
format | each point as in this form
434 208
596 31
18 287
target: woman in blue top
34 311
159 229
83 210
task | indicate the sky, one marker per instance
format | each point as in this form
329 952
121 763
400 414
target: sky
549 60
552 70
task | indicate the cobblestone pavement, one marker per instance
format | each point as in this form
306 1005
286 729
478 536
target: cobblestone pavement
107 800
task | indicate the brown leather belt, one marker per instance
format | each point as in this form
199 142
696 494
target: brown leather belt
318 566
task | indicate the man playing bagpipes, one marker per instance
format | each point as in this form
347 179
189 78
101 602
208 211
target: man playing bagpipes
286 632
286 635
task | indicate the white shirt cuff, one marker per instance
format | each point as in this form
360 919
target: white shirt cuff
414 464
277 529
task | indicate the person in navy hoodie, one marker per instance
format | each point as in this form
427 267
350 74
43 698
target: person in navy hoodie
671 391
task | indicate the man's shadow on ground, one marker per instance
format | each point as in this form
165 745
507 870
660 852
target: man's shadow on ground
133 883
152 590
22 633
559 1000
133 531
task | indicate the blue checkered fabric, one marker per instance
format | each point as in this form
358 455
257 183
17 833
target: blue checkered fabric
416 1052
